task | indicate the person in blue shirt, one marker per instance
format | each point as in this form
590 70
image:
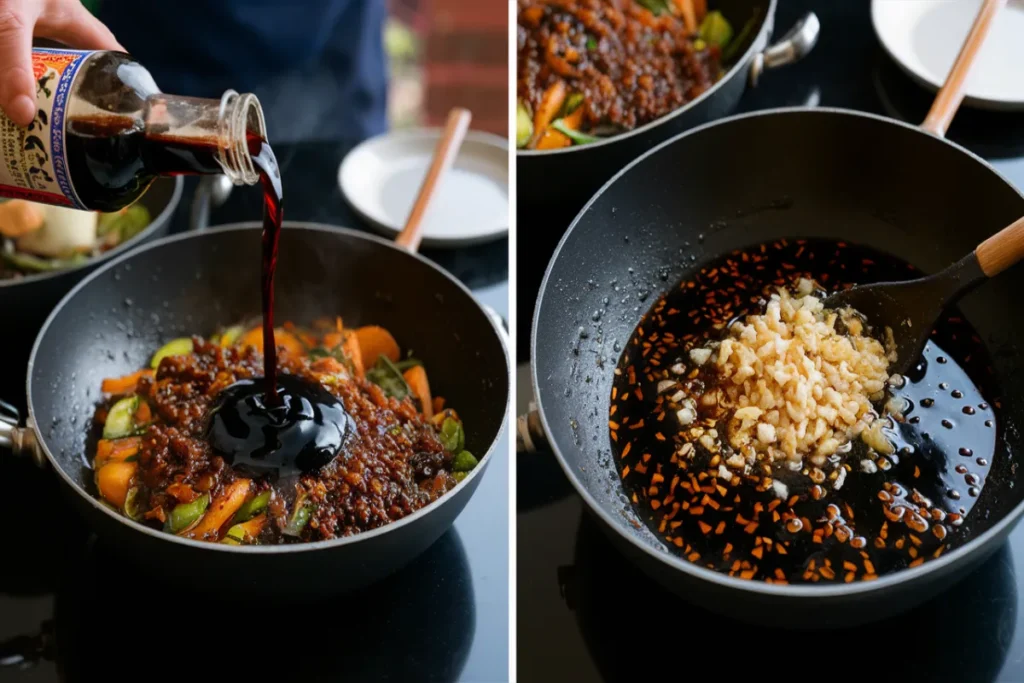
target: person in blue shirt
317 66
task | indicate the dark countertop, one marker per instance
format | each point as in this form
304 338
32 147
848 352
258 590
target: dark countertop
585 614
442 618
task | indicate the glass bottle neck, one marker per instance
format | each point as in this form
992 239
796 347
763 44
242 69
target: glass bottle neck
191 135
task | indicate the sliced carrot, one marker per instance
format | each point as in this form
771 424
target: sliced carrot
374 342
438 404
221 509
353 350
686 8
113 481
416 378
115 450
700 9
253 527
126 384
574 120
553 139
143 414
550 104
283 338
333 340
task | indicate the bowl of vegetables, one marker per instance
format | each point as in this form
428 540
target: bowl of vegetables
46 250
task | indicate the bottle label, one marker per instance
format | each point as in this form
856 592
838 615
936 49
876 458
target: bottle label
34 160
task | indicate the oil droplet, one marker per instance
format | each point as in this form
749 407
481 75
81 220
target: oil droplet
914 419
794 525
966 452
953 493
982 462
988 423
961 469
973 492
971 479
943 385
956 393
927 402
947 424
968 410
941 359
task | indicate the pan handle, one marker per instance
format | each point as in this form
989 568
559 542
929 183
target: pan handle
792 47
20 440
530 436
212 191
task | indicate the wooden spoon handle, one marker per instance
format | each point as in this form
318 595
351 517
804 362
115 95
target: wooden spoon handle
952 93
1002 250
444 155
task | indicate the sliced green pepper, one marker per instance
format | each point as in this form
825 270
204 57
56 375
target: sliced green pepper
388 377
524 126
175 347
716 29
185 515
464 462
126 223
574 135
252 507
452 436
33 264
121 418
572 103
235 535
132 504
300 517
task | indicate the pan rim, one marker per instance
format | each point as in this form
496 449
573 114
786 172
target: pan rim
943 564
161 218
767 24
268 549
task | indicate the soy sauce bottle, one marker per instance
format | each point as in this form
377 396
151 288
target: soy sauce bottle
103 132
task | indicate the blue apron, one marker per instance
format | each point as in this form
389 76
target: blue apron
317 66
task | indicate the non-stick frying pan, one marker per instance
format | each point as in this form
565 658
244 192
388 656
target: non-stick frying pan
112 321
825 173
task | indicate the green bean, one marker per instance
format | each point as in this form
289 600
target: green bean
453 438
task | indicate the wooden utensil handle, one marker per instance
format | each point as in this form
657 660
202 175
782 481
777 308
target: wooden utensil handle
1002 250
952 93
444 155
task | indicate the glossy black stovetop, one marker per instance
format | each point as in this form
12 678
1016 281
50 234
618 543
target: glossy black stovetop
585 614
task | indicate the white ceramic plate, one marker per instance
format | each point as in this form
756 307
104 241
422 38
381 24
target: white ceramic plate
381 177
924 38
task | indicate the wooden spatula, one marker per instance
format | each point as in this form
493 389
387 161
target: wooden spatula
911 308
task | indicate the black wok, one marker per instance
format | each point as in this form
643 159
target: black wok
27 301
552 179
113 320
824 173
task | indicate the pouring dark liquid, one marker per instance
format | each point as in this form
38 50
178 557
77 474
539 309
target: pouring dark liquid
270 178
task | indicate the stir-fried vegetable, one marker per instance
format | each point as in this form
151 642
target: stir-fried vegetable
233 513
524 125
175 347
121 226
716 30
574 135
252 507
186 515
122 418
30 263
301 513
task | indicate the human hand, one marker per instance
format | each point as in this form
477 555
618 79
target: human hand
66 21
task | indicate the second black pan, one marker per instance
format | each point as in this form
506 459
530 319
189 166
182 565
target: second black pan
112 321
810 173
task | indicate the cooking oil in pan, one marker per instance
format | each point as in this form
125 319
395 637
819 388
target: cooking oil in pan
887 513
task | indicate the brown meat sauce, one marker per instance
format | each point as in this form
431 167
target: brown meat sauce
392 465
631 66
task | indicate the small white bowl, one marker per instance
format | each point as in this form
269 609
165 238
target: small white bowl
381 177
925 36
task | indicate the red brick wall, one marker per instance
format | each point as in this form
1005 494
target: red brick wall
466 61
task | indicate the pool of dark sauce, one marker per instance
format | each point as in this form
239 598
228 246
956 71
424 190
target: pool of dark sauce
907 512
279 425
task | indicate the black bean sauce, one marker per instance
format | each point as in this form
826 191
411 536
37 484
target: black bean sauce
887 513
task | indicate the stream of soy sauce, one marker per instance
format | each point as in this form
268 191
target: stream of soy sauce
876 522
273 215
